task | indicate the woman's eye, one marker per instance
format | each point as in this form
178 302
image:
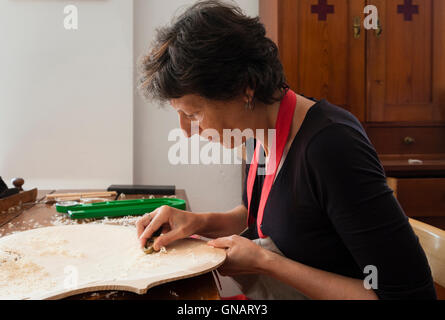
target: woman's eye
191 116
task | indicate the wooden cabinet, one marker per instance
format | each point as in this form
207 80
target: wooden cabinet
320 55
422 198
406 65
391 78
408 139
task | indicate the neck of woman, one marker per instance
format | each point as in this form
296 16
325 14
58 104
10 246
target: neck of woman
266 120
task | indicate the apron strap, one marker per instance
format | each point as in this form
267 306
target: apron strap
283 127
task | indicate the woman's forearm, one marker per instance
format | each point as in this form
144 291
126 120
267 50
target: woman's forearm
216 225
314 283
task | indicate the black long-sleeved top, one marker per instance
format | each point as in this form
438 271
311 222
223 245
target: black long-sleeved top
331 208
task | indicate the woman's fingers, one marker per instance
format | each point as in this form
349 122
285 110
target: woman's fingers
141 223
166 228
175 224
144 221
223 243
165 239
226 242
162 216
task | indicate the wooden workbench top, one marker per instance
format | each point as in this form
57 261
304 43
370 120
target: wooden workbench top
41 215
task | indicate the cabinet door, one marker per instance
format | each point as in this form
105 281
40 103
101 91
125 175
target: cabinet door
405 64
321 56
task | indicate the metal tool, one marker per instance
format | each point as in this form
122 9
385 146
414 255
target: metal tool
148 248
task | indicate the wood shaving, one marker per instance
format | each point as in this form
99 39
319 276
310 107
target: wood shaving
110 294
54 247
18 275
174 293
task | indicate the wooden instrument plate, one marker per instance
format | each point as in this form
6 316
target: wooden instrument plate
58 262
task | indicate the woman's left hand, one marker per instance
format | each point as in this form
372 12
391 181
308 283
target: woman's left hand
243 255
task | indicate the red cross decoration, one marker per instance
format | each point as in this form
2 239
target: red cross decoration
322 9
408 9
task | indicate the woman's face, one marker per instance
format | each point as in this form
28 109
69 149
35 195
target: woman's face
210 114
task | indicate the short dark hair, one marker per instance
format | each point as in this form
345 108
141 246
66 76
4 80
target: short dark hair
215 51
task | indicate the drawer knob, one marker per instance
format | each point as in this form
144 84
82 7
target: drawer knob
409 141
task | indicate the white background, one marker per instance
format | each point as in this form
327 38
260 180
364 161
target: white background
66 97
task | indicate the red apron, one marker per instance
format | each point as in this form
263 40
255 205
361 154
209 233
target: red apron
283 127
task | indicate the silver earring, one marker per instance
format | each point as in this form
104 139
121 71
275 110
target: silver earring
248 105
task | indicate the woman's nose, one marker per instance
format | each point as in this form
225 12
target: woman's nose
185 126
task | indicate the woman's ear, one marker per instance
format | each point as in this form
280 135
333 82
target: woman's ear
248 95
248 99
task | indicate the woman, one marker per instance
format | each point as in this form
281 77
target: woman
323 217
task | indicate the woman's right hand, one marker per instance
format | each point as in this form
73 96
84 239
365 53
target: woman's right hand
176 224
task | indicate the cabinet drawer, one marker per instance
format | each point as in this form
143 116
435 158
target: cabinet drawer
420 197
408 140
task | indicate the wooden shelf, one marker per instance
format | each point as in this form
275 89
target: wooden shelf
399 167
429 168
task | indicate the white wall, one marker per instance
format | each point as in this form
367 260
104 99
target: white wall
66 101
66 97
209 188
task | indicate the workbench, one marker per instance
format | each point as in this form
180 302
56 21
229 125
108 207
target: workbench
40 214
